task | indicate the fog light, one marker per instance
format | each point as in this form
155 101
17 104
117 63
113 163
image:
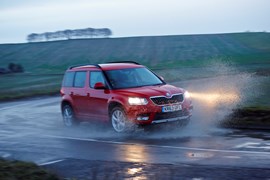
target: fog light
142 118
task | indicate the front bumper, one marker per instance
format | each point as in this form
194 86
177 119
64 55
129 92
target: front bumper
154 115
170 119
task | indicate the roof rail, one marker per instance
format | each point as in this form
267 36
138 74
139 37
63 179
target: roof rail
78 65
132 62
98 66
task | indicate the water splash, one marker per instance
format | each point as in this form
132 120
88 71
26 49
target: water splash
214 98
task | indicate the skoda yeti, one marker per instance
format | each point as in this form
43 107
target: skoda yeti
122 94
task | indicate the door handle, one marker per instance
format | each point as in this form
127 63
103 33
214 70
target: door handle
71 93
88 94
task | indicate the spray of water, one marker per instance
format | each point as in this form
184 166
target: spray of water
214 98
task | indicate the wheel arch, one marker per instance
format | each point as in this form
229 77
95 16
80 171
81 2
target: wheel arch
65 102
114 104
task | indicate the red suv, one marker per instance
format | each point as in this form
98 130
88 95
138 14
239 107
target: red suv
123 94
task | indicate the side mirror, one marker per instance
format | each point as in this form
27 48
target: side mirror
99 85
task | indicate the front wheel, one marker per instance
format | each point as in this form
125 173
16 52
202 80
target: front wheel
118 119
68 116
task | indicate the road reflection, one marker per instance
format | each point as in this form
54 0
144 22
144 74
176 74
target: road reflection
136 173
135 153
133 171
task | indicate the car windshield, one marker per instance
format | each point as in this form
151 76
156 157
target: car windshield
131 78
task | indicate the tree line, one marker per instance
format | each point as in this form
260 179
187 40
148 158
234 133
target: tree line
69 34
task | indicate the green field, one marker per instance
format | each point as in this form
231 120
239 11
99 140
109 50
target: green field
27 85
174 57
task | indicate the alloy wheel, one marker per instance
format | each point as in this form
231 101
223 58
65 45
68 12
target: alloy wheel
118 118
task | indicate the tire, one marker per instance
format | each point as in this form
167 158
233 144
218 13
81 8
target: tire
119 120
68 116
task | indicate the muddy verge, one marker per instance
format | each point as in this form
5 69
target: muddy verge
23 171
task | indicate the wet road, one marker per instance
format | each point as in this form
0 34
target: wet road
32 130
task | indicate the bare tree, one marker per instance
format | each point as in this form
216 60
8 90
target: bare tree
32 37
68 33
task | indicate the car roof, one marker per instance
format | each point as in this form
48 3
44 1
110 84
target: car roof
106 66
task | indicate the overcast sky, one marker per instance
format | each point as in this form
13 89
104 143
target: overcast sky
18 18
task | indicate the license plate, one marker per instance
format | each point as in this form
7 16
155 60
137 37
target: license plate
171 108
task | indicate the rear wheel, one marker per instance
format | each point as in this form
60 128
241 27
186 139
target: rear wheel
68 116
118 119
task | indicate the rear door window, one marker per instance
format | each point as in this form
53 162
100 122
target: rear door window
96 76
68 79
79 80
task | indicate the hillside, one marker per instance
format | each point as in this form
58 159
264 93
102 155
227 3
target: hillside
152 51
190 56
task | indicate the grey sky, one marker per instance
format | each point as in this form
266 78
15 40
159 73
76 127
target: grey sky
19 18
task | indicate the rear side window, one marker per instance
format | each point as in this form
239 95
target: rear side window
68 79
79 80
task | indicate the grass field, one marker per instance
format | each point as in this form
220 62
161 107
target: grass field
25 85
173 57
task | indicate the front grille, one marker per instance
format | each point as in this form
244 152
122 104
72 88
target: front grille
168 115
162 100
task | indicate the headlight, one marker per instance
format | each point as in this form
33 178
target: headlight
137 101
187 94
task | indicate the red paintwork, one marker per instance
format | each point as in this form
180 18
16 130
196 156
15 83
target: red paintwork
93 104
